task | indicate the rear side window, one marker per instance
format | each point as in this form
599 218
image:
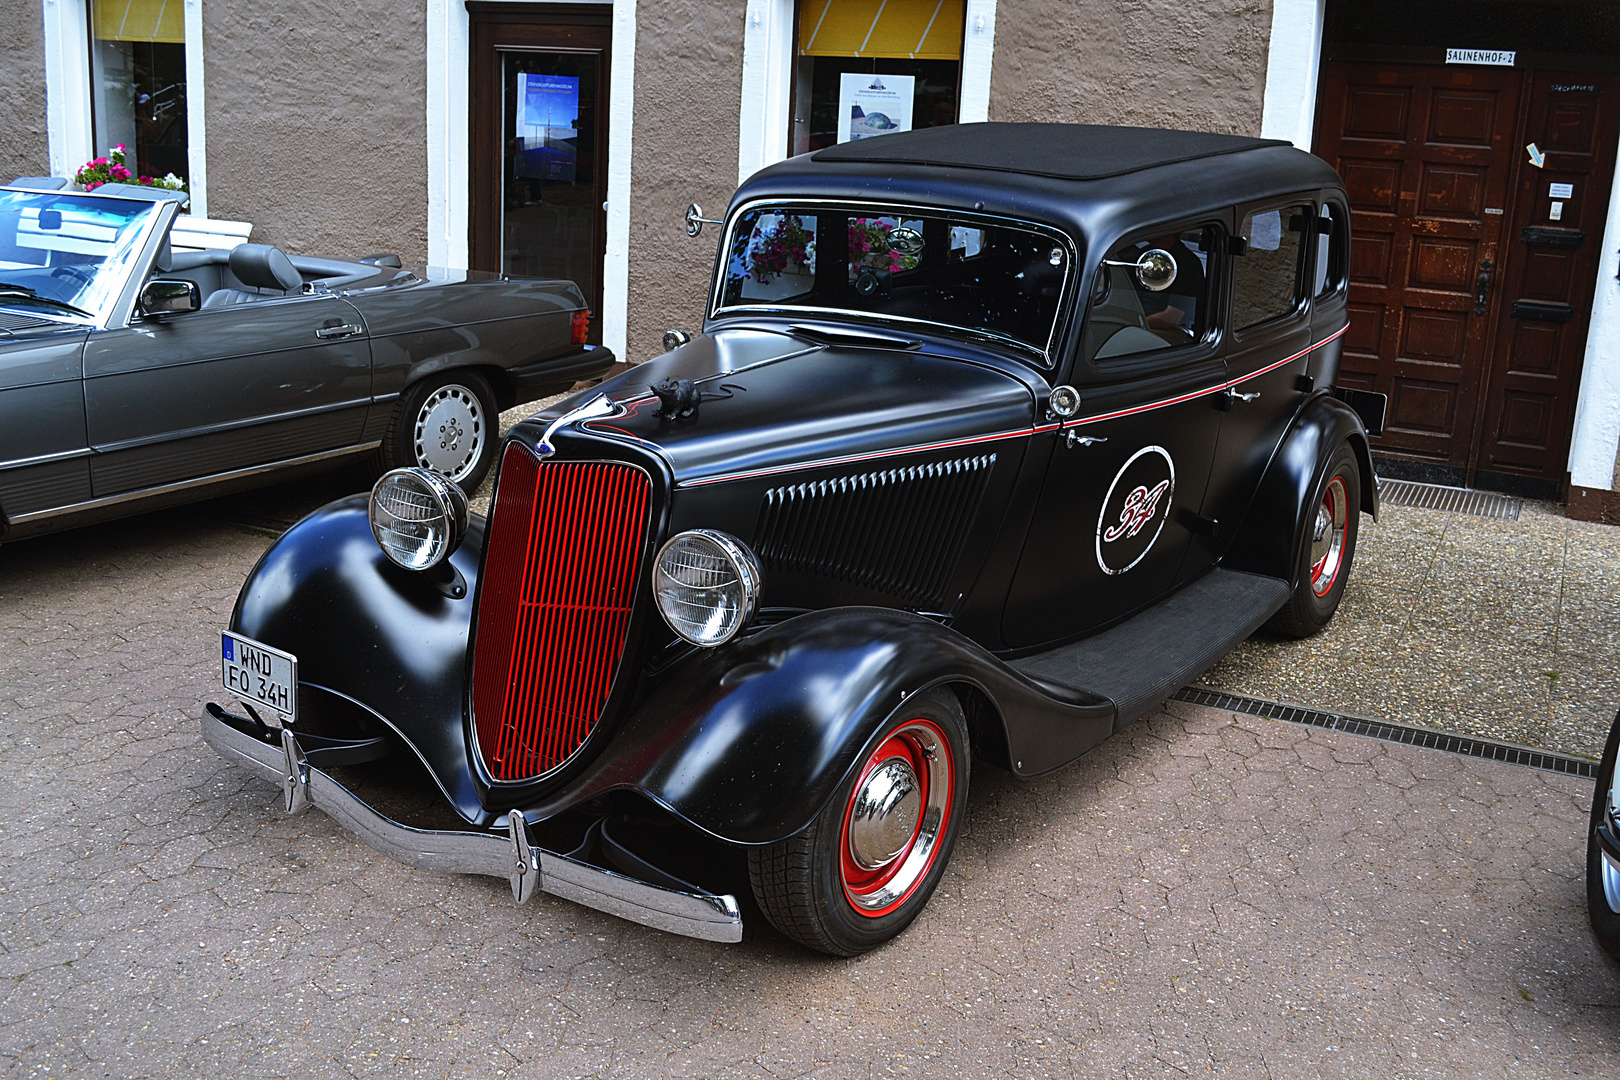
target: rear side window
1265 278
1128 319
1330 251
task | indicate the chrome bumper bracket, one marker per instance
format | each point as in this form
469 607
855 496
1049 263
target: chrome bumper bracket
529 869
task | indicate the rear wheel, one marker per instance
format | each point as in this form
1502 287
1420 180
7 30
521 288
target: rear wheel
867 865
447 423
1326 550
1602 877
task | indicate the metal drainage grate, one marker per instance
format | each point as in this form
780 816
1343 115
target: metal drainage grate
1485 504
1377 729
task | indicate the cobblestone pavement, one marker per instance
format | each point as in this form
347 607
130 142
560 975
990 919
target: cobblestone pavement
1207 894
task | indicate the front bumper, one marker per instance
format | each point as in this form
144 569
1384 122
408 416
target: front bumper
528 868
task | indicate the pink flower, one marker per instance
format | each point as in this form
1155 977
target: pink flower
119 148
92 186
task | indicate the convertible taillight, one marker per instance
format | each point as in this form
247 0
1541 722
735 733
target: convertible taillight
582 325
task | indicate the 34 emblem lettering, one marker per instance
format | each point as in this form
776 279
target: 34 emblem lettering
1137 512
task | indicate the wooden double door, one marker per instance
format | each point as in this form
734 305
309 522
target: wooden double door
1472 269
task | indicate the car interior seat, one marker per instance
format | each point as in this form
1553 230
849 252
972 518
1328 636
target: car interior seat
264 269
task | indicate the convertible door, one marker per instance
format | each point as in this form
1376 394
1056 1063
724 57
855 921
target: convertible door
224 389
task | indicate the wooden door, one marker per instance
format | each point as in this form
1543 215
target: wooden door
1551 253
539 143
1426 154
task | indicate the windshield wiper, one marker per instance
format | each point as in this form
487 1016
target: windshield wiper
23 292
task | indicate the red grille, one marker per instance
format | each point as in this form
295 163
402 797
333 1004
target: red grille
554 607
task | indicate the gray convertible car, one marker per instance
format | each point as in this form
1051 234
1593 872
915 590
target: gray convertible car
134 376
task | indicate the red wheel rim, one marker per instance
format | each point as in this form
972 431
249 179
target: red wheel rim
919 751
1329 537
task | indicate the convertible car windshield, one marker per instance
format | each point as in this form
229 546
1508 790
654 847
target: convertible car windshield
971 274
66 249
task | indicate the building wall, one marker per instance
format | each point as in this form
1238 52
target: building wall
317 119
1155 63
24 145
684 149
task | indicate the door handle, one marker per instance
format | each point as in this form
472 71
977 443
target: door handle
342 330
1253 395
1482 287
1073 440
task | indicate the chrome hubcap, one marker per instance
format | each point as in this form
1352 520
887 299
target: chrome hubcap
450 432
1328 536
1611 876
885 816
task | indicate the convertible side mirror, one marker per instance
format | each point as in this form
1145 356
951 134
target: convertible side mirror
169 297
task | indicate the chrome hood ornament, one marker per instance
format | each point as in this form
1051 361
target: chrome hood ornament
599 406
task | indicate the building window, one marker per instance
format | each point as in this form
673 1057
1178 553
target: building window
138 84
869 67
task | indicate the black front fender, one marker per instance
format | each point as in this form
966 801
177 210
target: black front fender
750 740
1269 538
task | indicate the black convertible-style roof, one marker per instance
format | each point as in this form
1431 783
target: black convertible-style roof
1064 151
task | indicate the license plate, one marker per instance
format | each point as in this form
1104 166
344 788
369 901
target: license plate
259 674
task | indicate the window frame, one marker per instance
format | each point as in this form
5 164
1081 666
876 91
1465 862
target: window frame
1338 250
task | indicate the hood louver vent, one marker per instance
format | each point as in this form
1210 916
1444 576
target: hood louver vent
898 531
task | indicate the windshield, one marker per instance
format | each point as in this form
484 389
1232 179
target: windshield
67 247
960 273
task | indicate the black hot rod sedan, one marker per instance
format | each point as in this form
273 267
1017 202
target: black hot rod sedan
134 375
995 437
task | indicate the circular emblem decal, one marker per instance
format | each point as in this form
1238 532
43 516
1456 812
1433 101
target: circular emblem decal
1135 509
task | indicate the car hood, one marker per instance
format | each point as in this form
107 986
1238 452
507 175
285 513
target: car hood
774 401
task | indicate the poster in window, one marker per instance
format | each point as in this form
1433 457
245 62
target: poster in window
548 126
871 105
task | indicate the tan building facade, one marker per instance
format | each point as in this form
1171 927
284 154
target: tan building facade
569 139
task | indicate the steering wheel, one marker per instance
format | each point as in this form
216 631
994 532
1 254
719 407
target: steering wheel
67 270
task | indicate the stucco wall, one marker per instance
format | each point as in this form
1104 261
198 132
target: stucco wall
317 119
1156 63
688 88
24 146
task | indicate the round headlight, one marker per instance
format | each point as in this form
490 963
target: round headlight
707 584
418 517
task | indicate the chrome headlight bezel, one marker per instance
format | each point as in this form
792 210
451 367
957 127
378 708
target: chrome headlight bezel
744 587
443 508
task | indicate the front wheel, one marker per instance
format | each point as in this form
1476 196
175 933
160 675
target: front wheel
1602 876
867 865
447 423
1326 550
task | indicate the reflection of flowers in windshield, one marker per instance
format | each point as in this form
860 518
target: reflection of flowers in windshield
869 246
787 245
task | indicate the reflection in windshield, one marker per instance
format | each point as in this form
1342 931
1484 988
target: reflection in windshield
67 247
973 275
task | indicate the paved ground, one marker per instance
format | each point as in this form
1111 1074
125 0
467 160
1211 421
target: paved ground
1207 895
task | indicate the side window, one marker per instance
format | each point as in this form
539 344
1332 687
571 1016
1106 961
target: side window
1265 278
1330 251
1129 319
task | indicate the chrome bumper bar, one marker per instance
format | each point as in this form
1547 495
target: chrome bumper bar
528 868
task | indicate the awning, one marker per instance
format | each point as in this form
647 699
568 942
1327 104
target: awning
139 20
915 29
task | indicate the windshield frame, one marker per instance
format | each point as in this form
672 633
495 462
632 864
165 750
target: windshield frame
1045 358
133 258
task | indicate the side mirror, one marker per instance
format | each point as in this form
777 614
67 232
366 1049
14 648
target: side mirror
1155 270
169 297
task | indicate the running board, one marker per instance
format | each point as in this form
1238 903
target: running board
1142 662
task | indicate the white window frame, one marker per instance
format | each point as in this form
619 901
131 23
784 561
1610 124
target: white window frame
69 126
767 78
449 152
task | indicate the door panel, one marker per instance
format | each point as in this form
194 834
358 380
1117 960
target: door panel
42 415
1426 154
223 389
1550 268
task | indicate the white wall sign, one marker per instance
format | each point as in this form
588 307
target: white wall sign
1561 191
1492 57
871 105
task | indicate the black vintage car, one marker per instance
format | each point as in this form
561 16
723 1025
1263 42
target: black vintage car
996 436
134 375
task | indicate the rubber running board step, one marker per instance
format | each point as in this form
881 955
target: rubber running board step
1143 661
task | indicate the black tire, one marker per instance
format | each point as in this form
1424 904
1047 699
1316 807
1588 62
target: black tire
812 886
1602 882
1326 550
435 420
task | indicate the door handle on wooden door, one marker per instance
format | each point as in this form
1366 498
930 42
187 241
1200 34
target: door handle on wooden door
1482 287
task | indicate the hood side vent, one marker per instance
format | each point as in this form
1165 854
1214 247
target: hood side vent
898 531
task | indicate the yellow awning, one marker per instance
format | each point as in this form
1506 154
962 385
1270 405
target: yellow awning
917 29
140 20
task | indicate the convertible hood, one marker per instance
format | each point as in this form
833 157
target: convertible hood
771 401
